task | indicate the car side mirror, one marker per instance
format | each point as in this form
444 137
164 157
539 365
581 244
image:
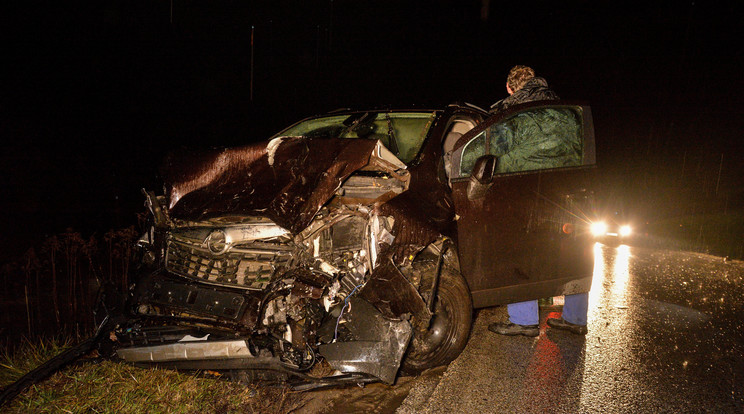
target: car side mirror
485 168
482 176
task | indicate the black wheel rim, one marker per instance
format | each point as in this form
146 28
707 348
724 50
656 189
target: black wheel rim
441 330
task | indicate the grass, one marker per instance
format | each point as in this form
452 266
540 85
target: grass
108 387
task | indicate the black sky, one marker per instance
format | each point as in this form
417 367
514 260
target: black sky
95 95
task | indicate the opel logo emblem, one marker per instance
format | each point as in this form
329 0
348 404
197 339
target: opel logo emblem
217 242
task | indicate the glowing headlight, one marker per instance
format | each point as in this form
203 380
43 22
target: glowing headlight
599 228
625 231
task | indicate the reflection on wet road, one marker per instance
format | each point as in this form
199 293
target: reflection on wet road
665 334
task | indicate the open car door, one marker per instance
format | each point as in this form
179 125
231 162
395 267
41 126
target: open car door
521 184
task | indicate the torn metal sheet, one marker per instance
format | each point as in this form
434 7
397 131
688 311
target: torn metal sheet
393 295
375 344
303 175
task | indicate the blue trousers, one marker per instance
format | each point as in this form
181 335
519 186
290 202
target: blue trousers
575 309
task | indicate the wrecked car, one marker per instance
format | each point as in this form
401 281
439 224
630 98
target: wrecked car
360 241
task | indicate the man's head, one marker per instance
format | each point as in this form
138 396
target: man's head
518 76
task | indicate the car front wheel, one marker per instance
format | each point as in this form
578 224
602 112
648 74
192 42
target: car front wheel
449 329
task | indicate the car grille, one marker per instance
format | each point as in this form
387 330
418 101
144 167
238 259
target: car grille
247 268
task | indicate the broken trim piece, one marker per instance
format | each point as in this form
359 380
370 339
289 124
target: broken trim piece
192 350
377 345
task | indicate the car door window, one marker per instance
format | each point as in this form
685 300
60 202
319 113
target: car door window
544 137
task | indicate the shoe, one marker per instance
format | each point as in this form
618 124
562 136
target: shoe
560 323
514 329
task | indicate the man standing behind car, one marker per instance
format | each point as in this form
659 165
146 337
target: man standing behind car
523 86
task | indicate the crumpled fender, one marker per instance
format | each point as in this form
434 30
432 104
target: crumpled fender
393 295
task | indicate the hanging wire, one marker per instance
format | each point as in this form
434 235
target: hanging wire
346 303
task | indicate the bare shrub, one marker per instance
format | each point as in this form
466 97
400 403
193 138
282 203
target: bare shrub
52 289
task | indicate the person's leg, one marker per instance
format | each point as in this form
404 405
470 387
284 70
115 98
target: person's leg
575 308
574 317
524 313
523 317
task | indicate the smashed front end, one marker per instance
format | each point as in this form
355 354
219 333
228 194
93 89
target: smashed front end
257 260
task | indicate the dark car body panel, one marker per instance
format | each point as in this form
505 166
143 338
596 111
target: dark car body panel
513 246
524 236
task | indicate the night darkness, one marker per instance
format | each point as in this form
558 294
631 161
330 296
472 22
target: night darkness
95 96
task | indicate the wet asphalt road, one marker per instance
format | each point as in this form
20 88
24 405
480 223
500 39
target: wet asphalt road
666 334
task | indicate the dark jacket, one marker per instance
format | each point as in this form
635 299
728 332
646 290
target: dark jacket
536 89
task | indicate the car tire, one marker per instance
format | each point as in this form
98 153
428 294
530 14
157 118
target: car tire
450 326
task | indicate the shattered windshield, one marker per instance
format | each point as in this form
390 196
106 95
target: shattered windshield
402 133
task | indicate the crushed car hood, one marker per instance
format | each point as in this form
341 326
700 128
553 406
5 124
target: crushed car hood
287 179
